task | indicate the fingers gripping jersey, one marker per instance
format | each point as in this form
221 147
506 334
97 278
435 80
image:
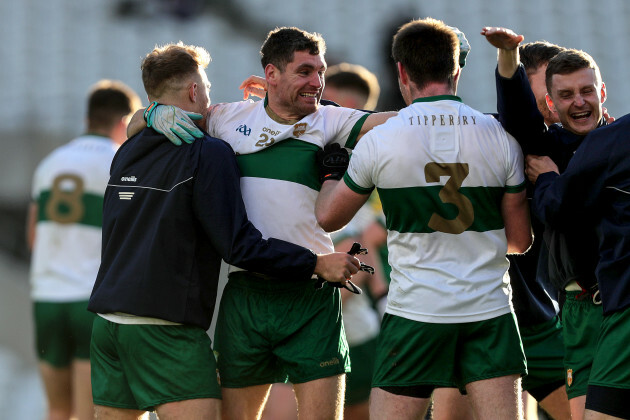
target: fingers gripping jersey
277 162
441 169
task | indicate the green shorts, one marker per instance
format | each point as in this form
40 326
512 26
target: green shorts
142 366
270 331
62 331
359 381
611 364
411 353
544 349
582 321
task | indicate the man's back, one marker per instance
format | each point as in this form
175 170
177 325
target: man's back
68 188
444 233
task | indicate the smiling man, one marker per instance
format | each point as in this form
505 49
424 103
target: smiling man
576 92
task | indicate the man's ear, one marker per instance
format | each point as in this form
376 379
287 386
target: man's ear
192 92
271 73
550 104
603 92
402 74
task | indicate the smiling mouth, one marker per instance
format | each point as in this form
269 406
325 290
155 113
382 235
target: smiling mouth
308 95
581 115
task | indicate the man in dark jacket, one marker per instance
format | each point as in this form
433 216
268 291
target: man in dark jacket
576 92
594 194
170 216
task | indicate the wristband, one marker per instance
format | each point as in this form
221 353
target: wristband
147 112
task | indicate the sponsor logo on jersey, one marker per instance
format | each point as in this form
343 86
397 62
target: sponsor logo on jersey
270 131
331 362
125 195
128 179
569 376
299 129
244 130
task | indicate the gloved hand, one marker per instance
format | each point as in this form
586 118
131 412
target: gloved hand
175 123
332 161
464 46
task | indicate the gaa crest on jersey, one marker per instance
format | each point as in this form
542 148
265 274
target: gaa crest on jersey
569 376
299 129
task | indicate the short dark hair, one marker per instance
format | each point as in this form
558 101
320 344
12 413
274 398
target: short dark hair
536 54
108 102
569 61
282 43
428 50
355 78
164 67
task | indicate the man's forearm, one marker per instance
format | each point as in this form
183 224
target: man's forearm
137 124
507 62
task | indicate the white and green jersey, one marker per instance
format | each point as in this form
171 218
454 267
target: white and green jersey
280 178
441 169
68 188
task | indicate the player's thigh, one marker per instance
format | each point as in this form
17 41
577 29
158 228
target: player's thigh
245 402
113 413
321 398
201 408
58 386
385 406
496 398
556 404
450 404
82 390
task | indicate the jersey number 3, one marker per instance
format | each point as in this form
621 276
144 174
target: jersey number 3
450 194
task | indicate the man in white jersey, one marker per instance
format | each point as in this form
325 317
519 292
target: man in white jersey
269 330
64 233
452 186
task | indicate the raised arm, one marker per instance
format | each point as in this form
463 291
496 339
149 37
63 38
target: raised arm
507 42
516 103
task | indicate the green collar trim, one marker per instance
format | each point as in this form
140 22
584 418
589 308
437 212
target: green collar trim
438 98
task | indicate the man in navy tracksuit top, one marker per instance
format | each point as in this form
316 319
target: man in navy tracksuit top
170 216
593 193
576 91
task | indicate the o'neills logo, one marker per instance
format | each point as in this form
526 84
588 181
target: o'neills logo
331 362
569 376
129 179
299 129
